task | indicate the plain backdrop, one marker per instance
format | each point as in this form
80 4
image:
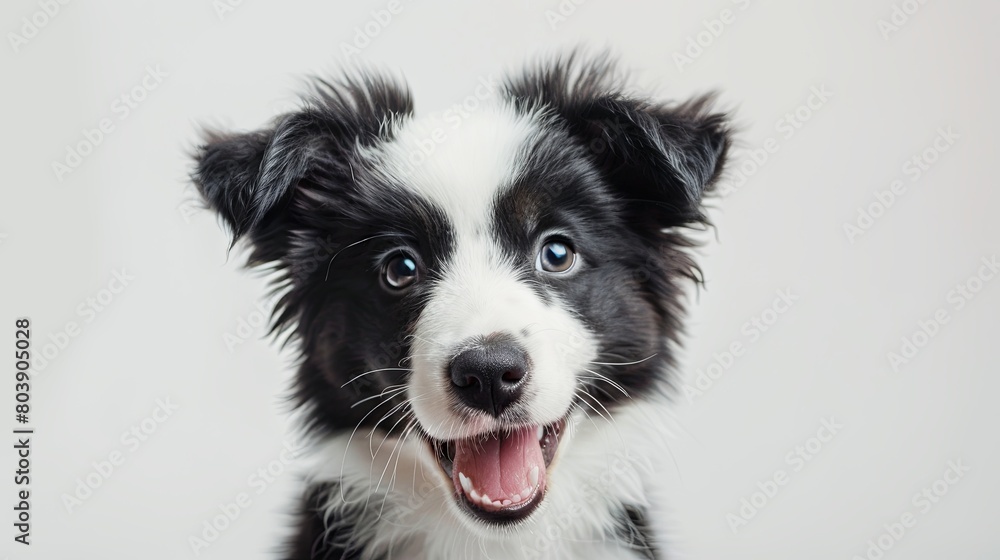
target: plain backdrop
186 326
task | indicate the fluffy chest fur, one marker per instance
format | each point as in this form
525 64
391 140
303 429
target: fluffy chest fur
395 505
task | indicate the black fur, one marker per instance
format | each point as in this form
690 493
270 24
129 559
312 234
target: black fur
619 174
633 531
616 172
316 539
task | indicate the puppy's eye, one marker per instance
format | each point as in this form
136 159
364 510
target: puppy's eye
400 272
555 256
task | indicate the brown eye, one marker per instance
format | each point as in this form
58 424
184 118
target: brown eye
555 256
400 272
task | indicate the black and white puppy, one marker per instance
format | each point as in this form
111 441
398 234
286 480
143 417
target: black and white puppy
487 307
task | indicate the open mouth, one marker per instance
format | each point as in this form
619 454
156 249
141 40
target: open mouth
500 477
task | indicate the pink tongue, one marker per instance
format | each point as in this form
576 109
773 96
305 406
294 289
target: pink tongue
499 466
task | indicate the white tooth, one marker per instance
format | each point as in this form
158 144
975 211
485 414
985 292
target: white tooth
526 492
474 495
505 503
466 482
541 433
533 476
497 503
486 500
516 497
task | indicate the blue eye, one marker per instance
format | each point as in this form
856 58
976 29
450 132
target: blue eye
555 256
400 272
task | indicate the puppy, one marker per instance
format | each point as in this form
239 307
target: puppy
486 306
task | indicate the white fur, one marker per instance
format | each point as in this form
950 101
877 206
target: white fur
601 463
479 292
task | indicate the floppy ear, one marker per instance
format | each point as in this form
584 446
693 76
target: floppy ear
661 158
251 178
247 177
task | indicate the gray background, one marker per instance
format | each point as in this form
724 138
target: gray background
164 335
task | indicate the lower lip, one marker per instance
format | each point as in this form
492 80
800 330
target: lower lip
502 515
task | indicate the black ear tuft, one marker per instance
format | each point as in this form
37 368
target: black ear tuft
661 157
248 178
244 177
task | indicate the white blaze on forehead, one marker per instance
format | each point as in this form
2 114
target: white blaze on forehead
463 170
461 166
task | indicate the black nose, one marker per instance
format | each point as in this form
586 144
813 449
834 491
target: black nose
490 376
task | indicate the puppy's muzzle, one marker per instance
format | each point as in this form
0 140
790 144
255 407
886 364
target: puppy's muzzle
490 375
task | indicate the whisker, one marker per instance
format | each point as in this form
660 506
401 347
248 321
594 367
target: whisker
597 387
343 463
329 264
389 432
410 425
598 412
356 377
624 363
393 389
609 381
422 339
388 461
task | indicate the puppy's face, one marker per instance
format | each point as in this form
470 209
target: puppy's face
474 284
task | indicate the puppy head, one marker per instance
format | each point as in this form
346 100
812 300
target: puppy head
475 280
